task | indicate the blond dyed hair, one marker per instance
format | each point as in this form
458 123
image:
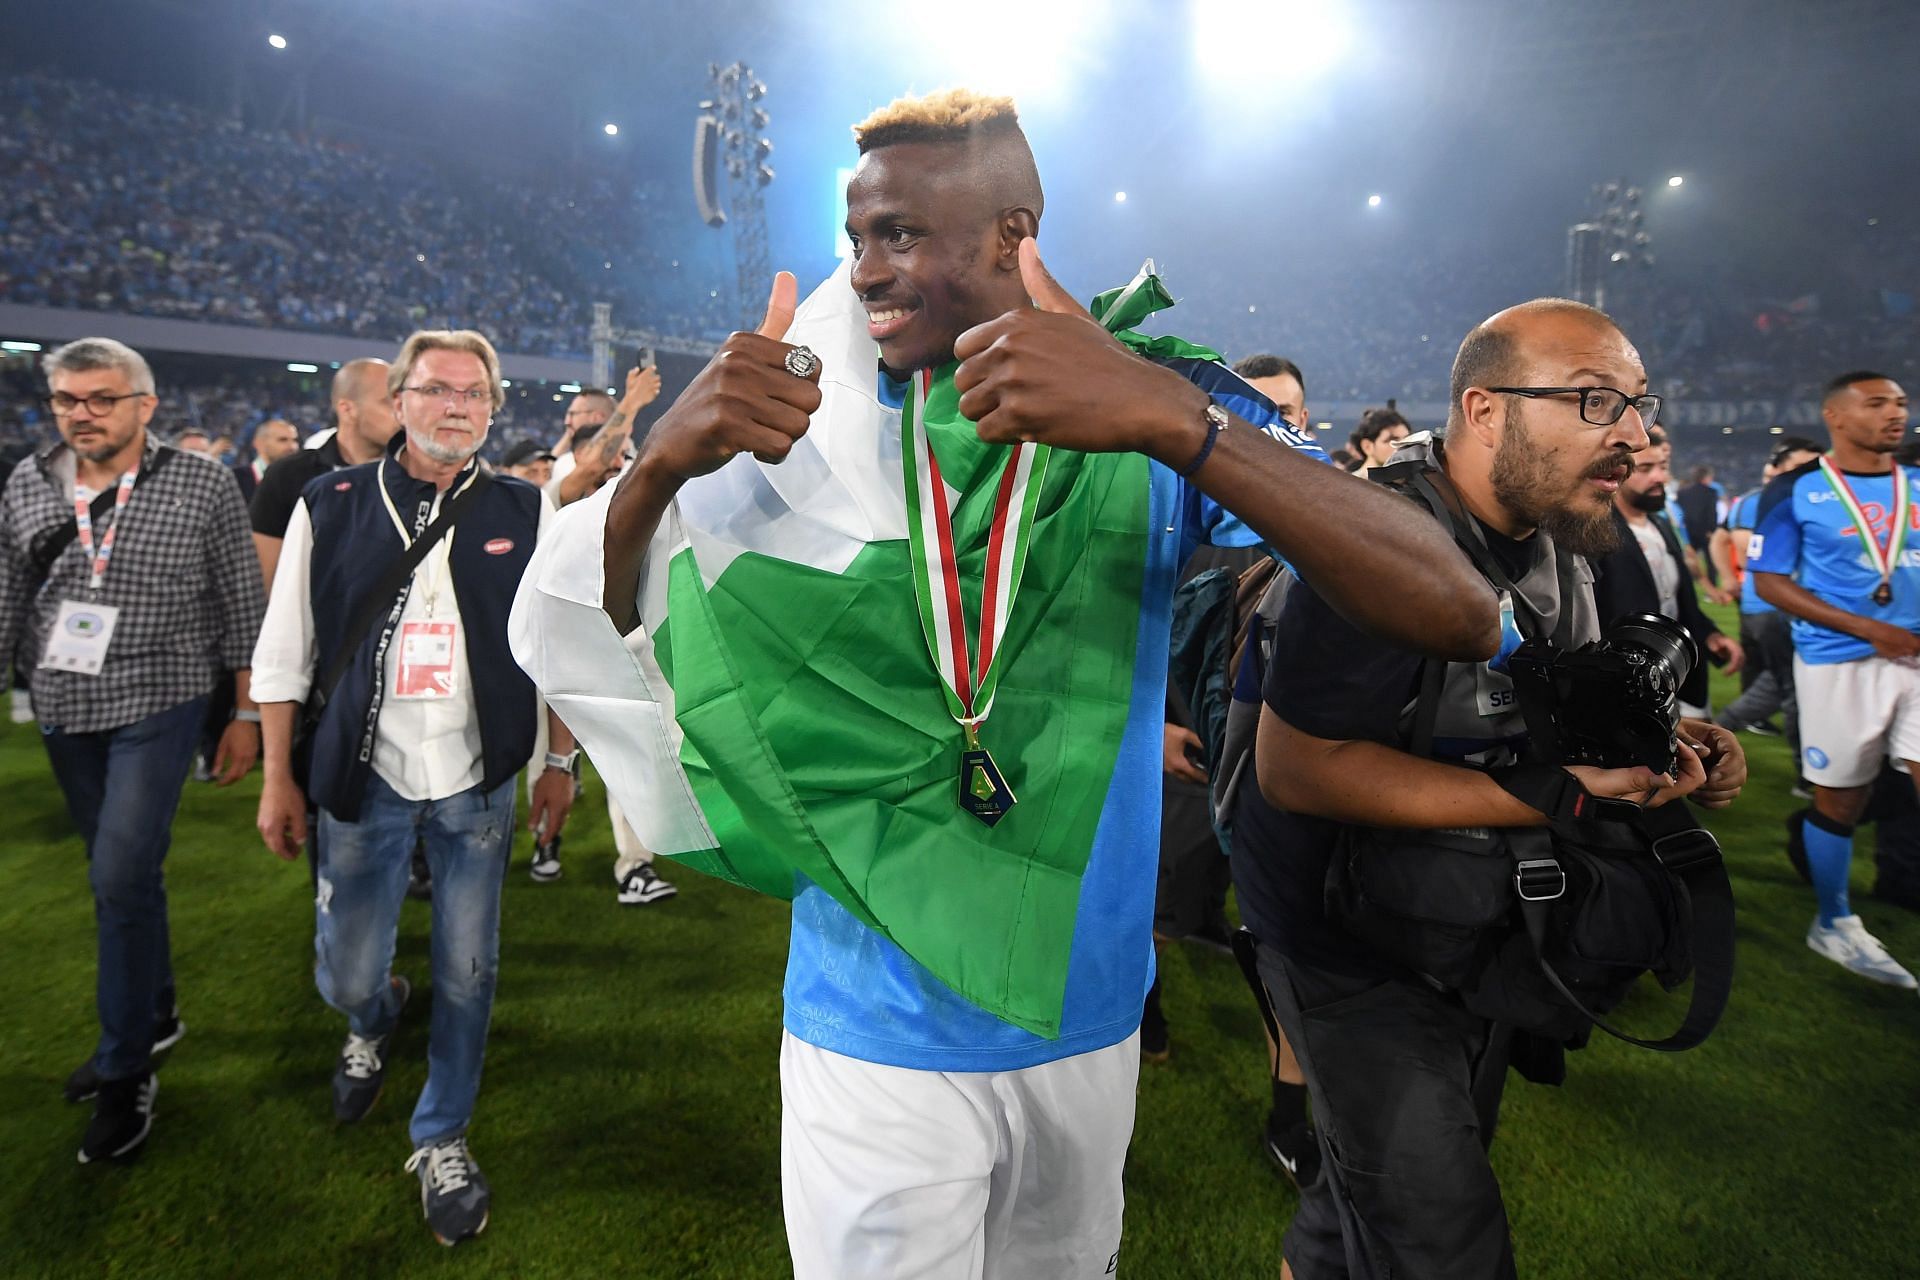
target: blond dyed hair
470 341
950 115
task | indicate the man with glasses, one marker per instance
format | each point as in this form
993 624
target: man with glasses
421 739
127 586
1546 420
1647 571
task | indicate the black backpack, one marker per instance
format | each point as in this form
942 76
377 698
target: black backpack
1544 928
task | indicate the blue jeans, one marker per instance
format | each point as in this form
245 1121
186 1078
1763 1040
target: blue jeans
363 880
122 788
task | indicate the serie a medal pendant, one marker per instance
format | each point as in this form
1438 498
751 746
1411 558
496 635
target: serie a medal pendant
1883 594
984 792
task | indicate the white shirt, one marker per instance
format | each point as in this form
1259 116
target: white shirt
426 748
1666 574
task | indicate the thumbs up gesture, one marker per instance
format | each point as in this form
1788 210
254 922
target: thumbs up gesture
744 401
1050 373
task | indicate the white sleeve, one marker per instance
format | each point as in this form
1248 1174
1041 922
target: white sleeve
608 688
284 655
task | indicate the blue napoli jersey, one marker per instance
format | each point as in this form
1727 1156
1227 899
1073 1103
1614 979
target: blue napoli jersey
854 992
1740 516
1802 530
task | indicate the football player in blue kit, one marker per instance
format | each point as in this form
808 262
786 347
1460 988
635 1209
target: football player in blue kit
1836 545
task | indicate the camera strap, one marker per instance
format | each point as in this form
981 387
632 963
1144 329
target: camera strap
1686 851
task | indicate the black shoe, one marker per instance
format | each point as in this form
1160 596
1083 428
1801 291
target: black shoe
1294 1150
122 1117
84 1083
643 885
546 860
453 1193
1765 728
362 1068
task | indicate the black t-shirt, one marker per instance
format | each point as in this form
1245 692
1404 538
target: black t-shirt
1329 679
278 492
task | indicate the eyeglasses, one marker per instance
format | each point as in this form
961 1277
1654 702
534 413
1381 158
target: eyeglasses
98 405
1599 406
473 397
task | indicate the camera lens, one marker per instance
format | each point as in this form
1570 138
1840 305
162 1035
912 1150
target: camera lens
1662 638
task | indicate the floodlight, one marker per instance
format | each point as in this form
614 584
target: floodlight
1675 180
277 41
1373 202
1119 197
303 368
612 130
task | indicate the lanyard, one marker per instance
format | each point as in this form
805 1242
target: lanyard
440 553
969 671
1884 559
83 517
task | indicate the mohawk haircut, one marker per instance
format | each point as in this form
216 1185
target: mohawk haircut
951 115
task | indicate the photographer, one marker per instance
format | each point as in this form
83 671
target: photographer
1405 1079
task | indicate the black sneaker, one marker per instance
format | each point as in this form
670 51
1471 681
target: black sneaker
546 860
643 885
1295 1151
362 1068
1765 728
1155 1046
453 1192
84 1083
122 1117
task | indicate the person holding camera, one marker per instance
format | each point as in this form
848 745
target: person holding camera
1549 406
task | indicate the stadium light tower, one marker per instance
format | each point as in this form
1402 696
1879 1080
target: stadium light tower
1600 249
731 131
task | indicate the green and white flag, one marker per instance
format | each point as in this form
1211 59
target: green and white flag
779 713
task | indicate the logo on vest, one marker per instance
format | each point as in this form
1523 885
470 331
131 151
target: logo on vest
498 547
343 486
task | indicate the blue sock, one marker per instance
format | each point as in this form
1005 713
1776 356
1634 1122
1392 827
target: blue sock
1829 857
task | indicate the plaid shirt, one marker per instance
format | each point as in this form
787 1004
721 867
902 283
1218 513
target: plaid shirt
184 576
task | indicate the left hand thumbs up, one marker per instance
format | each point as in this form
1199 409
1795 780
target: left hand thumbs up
1041 286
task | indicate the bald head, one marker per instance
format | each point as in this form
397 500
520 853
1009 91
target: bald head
357 379
1506 348
363 409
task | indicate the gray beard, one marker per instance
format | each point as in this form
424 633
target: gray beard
440 452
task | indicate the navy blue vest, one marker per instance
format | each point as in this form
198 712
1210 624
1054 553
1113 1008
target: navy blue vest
354 546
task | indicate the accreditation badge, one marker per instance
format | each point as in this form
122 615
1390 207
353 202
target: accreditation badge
81 634
426 671
1494 692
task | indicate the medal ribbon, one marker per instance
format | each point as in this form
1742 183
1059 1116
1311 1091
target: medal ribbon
1885 559
969 674
83 516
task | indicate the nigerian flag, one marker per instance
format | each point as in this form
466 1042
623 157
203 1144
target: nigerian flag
778 713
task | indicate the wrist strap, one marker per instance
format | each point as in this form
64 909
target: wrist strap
1206 449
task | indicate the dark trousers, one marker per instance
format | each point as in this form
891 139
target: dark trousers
122 787
1768 641
1406 1092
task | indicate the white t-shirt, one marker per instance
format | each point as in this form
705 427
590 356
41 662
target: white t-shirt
1666 573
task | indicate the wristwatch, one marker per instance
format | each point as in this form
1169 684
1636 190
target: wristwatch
247 717
563 763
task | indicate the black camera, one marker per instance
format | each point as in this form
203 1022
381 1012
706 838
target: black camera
1613 703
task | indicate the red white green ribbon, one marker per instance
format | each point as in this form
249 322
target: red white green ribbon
969 671
1883 559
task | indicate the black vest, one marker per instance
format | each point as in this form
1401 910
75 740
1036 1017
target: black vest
354 545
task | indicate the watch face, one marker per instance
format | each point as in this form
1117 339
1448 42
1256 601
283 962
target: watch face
1217 416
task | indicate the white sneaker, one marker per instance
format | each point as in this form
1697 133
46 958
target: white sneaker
1848 943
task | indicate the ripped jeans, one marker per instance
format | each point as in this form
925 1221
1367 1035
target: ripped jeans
363 880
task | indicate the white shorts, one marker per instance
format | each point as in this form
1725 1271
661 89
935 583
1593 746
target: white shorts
1853 715
894 1174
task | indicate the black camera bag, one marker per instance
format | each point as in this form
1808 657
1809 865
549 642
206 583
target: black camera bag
1542 928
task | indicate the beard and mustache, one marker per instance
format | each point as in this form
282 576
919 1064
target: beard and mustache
423 441
1528 484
